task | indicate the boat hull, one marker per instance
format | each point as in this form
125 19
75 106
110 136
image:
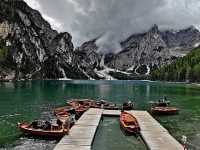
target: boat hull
127 107
24 127
67 109
133 127
164 110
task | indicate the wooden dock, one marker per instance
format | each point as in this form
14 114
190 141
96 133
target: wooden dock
82 134
154 134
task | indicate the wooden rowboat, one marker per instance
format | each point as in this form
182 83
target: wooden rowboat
164 110
80 110
53 132
81 102
160 103
129 123
65 109
73 103
111 107
62 114
80 106
104 104
128 106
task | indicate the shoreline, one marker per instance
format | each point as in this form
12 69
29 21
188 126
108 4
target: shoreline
62 79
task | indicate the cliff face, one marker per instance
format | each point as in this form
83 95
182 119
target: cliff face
33 49
88 58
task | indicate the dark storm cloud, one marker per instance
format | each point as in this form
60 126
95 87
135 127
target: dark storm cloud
116 19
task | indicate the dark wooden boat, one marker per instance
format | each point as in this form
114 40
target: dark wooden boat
62 114
81 105
80 110
65 109
104 104
74 103
129 123
160 103
128 106
86 102
164 110
108 107
111 107
53 131
77 102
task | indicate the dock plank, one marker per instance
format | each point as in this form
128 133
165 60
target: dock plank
111 112
71 147
89 120
94 111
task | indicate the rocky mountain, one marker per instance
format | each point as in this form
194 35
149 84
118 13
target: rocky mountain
144 52
31 49
141 53
88 58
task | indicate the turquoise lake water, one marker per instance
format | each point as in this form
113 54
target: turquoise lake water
25 101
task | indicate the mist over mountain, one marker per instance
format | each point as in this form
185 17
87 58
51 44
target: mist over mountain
116 19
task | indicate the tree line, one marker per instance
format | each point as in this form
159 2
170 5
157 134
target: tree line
184 69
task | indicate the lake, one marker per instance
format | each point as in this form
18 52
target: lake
28 100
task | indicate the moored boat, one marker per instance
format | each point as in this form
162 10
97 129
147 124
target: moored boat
44 130
104 105
129 123
160 103
164 110
80 105
128 106
62 114
74 103
80 110
111 107
65 109
81 102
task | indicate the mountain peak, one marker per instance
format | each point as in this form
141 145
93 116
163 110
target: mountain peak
193 28
154 28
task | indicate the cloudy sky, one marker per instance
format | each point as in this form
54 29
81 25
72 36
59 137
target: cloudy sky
116 19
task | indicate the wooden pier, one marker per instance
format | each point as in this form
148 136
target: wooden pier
82 134
154 134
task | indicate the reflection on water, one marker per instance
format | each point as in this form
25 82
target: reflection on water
147 90
32 99
104 89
